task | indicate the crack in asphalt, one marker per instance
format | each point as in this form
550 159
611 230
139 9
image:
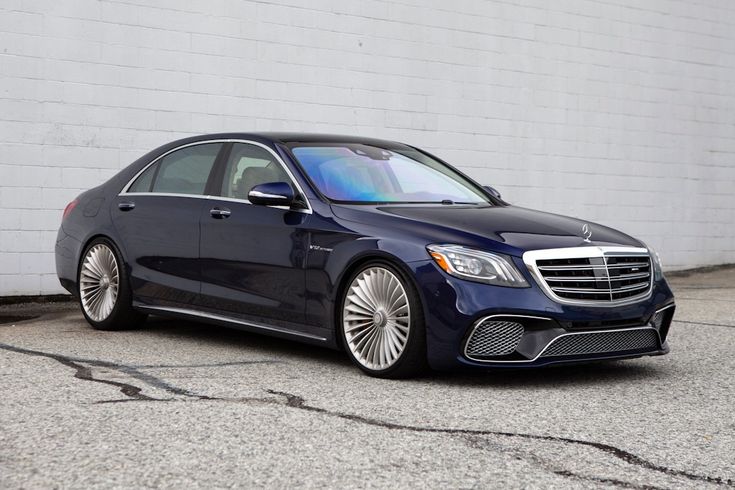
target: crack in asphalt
217 364
85 373
704 323
542 463
297 402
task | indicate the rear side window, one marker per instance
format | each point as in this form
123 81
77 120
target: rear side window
183 171
145 180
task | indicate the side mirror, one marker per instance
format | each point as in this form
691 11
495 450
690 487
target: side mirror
493 191
272 194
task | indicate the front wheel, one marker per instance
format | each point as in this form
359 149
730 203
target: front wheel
104 290
382 322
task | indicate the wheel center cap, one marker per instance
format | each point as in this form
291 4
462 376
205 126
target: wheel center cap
380 318
105 282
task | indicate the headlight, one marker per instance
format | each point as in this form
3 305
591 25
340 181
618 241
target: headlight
476 265
658 270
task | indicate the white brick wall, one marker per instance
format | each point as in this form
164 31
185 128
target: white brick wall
618 111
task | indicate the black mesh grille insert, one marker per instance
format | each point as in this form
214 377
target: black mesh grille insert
494 338
603 342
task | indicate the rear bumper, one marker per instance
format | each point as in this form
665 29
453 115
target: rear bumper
552 333
67 250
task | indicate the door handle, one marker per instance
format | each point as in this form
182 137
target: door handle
220 213
126 205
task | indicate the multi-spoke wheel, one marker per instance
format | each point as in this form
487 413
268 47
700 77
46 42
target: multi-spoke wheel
382 322
104 292
99 281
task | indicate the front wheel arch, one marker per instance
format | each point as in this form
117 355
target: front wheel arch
354 265
414 359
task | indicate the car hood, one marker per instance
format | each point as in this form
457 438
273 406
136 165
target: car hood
512 229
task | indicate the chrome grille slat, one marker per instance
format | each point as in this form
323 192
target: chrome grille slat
600 290
640 275
592 266
593 275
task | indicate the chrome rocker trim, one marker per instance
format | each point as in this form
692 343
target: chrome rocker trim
220 318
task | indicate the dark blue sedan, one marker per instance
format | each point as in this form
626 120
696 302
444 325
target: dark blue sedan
371 246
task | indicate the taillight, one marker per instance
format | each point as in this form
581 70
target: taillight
69 208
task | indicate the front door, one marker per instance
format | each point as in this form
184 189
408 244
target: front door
252 257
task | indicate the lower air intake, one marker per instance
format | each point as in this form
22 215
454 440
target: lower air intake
494 338
644 339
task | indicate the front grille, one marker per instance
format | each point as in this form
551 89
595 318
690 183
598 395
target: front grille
494 338
607 278
643 339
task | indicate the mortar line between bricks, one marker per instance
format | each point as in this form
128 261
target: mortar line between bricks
705 323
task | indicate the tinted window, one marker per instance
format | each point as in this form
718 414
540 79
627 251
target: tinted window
183 171
248 166
144 181
362 173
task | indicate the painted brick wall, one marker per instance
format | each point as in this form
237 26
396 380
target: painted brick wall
618 111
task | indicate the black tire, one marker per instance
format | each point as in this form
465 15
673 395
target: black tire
412 360
122 316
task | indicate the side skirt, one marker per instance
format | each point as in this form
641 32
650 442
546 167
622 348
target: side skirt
226 321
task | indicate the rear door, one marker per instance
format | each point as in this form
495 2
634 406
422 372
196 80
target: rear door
253 256
157 219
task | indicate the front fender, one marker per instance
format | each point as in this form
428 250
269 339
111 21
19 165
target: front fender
331 259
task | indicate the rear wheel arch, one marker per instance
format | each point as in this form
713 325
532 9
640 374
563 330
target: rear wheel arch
85 246
122 315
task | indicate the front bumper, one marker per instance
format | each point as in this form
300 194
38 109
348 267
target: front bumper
552 333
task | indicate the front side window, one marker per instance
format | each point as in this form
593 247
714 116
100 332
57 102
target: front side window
248 166
359 173
183 171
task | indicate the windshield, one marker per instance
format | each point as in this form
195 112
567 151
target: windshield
359 173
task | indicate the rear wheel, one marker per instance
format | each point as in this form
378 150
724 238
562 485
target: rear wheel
382 322
104 289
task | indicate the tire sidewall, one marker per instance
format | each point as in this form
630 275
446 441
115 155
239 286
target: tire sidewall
416 333
122 288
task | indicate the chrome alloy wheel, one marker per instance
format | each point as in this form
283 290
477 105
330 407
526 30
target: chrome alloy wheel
376 318
99 281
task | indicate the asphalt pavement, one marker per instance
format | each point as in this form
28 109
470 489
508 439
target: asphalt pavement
187 405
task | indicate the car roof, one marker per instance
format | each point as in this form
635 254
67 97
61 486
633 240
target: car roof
293 137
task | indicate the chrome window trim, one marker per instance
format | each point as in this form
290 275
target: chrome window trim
530 258
280 161
227 319
479 321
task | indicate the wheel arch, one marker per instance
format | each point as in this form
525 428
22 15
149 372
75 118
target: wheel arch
87 243
353 266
